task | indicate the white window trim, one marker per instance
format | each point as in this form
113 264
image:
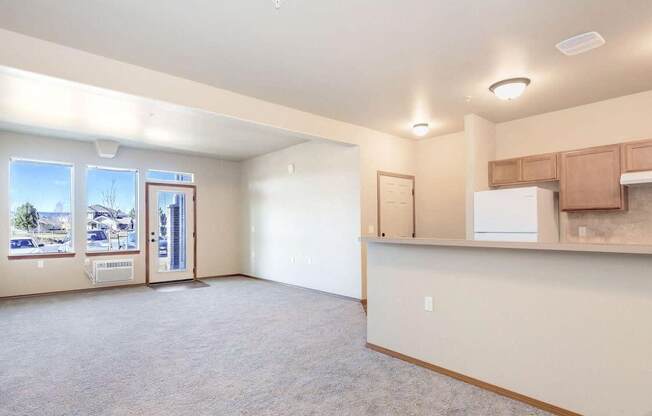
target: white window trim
73 224
136 207
192 176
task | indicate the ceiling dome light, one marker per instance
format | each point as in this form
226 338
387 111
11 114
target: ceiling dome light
421 129
509 89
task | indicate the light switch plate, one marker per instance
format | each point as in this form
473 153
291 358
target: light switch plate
427 304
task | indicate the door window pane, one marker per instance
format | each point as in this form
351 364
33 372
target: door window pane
112 213
40 196
172 231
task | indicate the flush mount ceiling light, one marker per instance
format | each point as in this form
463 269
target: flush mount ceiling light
421 129
509 89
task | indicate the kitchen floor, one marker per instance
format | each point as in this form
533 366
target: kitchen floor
235 347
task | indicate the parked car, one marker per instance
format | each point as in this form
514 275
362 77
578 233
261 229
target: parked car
97 240
25 245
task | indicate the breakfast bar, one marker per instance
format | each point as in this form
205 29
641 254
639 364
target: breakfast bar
562 326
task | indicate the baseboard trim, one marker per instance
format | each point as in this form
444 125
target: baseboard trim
220 276
475 382
71 291
321 292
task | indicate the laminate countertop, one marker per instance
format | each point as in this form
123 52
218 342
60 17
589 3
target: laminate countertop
576 247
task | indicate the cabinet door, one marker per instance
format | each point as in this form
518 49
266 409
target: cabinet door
637 156
540 168
503 172
590 179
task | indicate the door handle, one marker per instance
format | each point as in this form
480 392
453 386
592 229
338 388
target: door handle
383 235
153 240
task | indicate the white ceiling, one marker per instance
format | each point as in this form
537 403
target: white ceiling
39 104
383 64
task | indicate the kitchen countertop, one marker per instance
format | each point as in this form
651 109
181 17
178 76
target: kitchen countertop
591 248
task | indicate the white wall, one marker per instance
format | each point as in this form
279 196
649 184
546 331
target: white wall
311 217
440 186
218 211
569 329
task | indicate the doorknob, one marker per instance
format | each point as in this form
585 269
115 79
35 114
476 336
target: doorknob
153 240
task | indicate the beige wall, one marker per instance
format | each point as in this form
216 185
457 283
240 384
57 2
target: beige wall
440 186
565 328
218 211
605 122
303 228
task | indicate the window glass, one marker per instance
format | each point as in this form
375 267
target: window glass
112 213
40 211
165 176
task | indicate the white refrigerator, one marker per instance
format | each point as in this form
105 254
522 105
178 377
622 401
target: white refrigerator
517 214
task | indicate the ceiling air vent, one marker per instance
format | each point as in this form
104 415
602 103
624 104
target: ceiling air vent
580 43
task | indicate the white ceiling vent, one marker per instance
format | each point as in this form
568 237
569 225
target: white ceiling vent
580 43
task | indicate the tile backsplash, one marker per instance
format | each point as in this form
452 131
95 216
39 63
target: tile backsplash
633 226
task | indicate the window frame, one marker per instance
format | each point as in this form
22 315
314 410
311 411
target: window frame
153 180
136 172
73 223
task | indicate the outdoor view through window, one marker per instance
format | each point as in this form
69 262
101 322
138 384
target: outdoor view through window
40 197
111 223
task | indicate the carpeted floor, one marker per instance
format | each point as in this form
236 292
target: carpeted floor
237 347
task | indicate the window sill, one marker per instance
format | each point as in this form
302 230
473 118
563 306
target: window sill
39 256
112 253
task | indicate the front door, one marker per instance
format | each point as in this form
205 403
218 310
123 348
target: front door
171 232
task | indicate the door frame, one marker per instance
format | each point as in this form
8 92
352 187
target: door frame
194 231
414 190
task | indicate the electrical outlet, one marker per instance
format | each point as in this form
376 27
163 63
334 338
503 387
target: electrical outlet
40 264
582 231
292 260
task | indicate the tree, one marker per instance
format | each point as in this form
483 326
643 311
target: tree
163 222
109 200
26 217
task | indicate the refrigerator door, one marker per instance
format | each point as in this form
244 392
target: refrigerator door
520 237
506 211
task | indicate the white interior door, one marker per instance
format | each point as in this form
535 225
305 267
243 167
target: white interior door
170 237
396 206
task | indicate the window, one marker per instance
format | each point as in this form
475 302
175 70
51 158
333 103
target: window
40 195
165 176
112 213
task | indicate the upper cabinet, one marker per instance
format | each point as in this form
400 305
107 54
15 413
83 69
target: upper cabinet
540 168
530 169
504 172
590 179
637 156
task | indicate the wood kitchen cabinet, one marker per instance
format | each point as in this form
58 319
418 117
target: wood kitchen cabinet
540 168
590 179
637 156
522 170
504 172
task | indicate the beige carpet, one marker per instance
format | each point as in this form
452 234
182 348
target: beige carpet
237 347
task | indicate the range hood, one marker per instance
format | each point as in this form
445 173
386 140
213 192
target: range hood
636 178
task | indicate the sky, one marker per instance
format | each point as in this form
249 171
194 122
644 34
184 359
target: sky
48 186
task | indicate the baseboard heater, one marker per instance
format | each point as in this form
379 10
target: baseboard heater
111 271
